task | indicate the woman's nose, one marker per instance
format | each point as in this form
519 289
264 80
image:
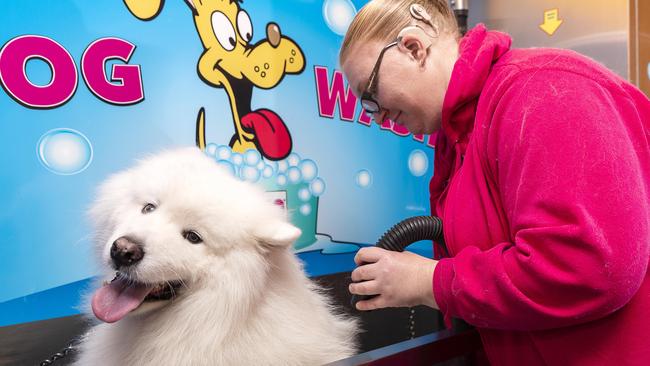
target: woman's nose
379 116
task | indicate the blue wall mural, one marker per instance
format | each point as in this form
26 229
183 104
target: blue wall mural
91 86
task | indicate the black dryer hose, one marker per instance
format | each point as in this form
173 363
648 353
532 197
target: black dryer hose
404 233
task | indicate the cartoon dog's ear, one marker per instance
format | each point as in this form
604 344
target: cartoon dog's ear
144 9
192 6
277 234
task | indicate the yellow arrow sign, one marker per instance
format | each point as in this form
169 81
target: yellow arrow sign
552 21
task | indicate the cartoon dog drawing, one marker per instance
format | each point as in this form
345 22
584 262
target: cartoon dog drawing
231 62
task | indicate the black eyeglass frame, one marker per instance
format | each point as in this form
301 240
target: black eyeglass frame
368 101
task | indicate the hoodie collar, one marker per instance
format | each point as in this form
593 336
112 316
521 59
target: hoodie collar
478 51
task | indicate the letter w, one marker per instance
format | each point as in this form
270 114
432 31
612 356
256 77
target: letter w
329 96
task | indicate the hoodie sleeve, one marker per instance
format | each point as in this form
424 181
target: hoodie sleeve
565 152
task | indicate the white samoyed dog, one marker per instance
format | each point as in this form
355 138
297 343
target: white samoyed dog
200 271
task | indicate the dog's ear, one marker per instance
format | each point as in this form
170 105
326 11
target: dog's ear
192 6
277 234
144 9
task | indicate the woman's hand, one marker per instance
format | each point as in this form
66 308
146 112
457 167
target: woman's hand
399 279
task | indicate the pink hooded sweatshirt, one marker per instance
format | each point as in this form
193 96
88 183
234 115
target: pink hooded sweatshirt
542 180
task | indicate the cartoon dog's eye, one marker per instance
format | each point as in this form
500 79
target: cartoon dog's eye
224 31
244 25
192 237
149 207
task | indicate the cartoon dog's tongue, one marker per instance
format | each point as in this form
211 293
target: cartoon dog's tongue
113 301
272 136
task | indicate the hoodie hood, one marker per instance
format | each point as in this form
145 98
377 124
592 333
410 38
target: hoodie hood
478 51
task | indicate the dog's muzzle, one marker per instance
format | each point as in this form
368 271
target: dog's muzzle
126 251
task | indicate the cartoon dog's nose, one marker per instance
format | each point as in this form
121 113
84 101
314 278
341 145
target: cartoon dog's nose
125 252
273 34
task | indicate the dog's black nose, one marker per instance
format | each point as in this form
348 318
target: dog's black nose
125 252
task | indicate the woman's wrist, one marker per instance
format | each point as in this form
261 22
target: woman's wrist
426 281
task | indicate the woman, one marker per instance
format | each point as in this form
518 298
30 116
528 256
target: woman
541 177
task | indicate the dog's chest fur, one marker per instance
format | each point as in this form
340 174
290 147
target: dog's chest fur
290 324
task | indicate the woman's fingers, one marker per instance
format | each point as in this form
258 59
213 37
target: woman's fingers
364 288
376 302
399 279
369 255
364 273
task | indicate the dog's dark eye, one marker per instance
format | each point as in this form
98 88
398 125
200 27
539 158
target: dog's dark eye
192 237
149 207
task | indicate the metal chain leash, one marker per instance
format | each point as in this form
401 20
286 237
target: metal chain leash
59 355
412 322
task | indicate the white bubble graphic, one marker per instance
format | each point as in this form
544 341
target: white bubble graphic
363 178
283 166
648 70
65 151
304 194
294 174
308 169
267 172
228 166
223 152
317 187
252 157
250 174
211 149
237 159
273 165
418 163
282 180
305 209
338 15
293 159
261 165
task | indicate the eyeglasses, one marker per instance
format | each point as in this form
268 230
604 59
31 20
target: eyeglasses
368 101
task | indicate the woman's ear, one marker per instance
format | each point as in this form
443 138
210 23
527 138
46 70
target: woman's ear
413 40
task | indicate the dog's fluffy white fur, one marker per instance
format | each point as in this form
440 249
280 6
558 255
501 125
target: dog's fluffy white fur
244 299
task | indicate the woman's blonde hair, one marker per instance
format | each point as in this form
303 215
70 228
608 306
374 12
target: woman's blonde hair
382 20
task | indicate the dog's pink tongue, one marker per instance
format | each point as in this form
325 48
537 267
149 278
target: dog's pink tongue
271 134
113 301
